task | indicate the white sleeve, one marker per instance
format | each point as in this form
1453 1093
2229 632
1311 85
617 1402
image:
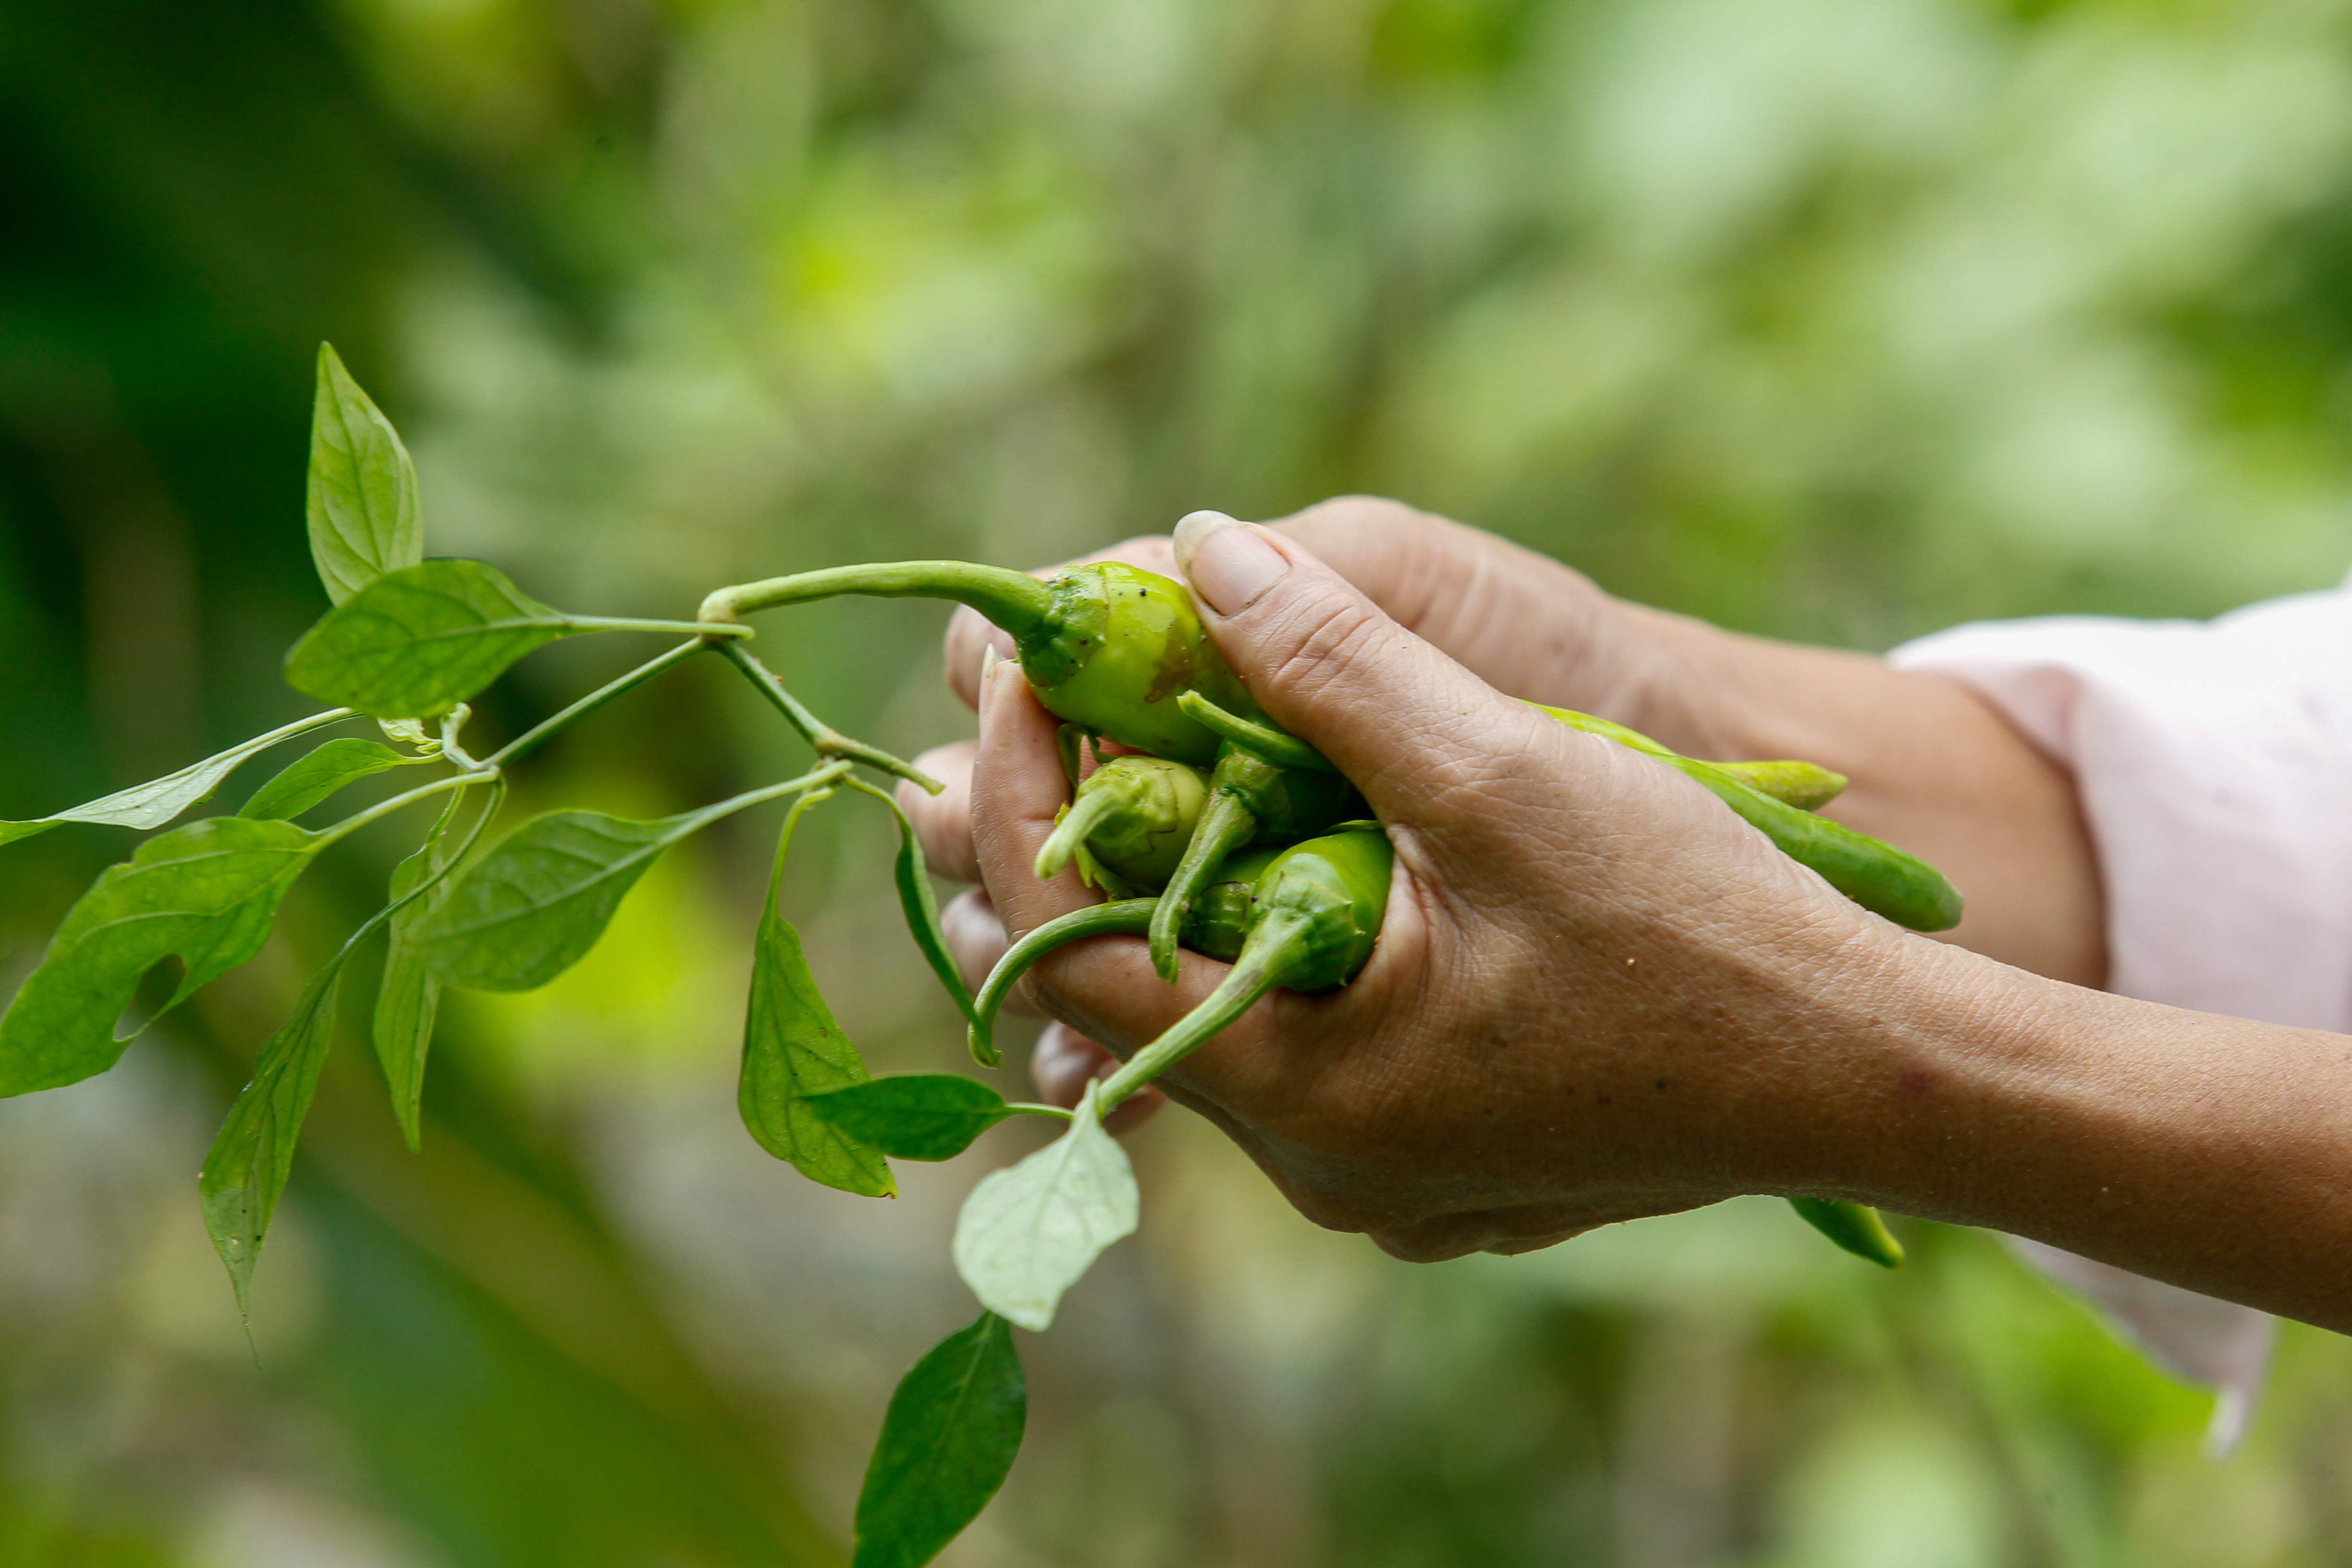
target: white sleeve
2214 763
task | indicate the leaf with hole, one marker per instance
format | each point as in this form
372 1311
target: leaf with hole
953 1427
313 778
419 641
253 1154
793 1048
207 892
918 1116
1026 1234
362 500
158 801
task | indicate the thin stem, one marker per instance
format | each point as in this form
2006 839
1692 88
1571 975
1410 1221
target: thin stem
1012 600
622 624
593 700
352 824
822 737
698 820
1263 963
1028 1109
1088 809
1260 740
453 724
1129 917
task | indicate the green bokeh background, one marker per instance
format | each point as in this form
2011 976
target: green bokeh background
1841 320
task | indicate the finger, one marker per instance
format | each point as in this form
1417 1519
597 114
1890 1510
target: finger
943 821
970 635
1522 622
1409 725
1064 1061
1104 987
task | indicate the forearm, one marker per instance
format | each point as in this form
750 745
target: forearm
2209 1151
1935 769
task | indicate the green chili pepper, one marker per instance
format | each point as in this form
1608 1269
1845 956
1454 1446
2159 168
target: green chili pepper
1876 875
1218 927
1808 786
1106 645
1251 800
1313 922
1134 815
1854 1227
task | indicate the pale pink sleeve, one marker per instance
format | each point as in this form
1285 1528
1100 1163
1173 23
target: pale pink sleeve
2214 763
2213 760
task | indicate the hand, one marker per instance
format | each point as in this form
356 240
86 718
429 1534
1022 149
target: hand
1522 621
1934 768
1588 982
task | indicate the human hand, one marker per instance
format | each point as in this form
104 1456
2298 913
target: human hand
1522 621
1589 980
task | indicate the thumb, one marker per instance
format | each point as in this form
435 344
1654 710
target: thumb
1402 720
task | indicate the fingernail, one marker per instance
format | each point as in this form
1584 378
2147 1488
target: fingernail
1229 563
989 659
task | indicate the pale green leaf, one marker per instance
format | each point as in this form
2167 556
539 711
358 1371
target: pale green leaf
1027 1233
158 801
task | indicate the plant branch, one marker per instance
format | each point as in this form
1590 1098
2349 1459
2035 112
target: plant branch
822 737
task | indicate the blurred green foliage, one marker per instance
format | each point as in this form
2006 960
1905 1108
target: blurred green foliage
1833 318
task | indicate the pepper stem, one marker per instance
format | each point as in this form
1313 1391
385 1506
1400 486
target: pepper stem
1128 918
1012 600
1085 812
1266 962
1224 826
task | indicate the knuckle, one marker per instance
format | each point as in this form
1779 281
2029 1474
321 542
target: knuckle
1313 638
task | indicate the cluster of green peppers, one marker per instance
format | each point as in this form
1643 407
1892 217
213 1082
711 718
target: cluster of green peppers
1264 861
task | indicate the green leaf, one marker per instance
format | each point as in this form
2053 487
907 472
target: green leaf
915 1116
362 505
921 907
158 801
310 779
207 892
421 640
408 1000
1026 1234
254 1152
950 1436
533 906
793 1048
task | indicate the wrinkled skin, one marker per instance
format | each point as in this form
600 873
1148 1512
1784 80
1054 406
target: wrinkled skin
1599 996
1934 768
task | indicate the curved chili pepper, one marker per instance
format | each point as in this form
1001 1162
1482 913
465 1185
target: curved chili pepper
1106 645
1875 873
1251 800
1314 920
1854 1226
1808 786
1218 927
1134 815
